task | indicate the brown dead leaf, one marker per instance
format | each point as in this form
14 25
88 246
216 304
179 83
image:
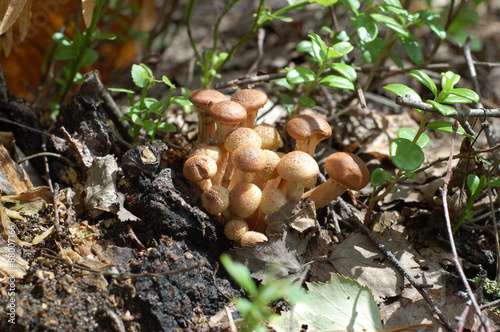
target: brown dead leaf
11 264
101 192
13 11
88 11
8 229
24 20
13 179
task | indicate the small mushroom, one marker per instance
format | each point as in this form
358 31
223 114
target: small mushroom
346 171
244 199
272 200
234 229
209 150
200 169
252 100
271 138
297 167
308 130
215 200
247 161
250 238
269 171
202 100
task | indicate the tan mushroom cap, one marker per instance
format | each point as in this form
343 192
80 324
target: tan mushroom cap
272 200
215 200
297 166
348 170
203 99
269 171
250 238
249 159
209 150
199 167
244 199
304 126
252 100
227 113
242 136
234 229
271 138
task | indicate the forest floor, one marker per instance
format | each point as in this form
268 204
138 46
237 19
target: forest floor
118 240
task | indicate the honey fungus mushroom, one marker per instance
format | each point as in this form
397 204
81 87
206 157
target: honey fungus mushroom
252 100
346 171
200 169
296 168
202 100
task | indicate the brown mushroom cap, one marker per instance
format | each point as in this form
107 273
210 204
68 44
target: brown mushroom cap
215 200
203 99
199 167
348 170
209 150
269 171
244 199
234 229
242 136
250 238
271 138
308 130
252 100
249 159
272 200
227 113
297 166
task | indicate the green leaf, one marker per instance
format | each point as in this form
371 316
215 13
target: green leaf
167 82
410 175
366 28
443 109
88 57
304 46
395 3
346 70
371 50
167 127
341 304
425 80
380 176
448 80
473 183
107 36
447 127
326 3
402 90
437 29
405 154
138 72
396 59
240 273
65 52
342 48
127 91
334 81
181 101
494 182
352 5
136 119
318 48
467 95
149 126
156 107
307 102
299 75
409 133
413 50
391 24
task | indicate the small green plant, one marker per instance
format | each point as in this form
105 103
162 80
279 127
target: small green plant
322 57
406 150
77 53
140 113
256 311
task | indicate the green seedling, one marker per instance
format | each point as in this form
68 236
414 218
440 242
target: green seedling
322 57
146 112
256 311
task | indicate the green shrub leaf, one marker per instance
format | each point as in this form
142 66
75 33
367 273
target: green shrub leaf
402 90
333 81
425 80
443 109
405 154
447 127
299 75
409 133
137 75
366 28
380 176
413 50
346 70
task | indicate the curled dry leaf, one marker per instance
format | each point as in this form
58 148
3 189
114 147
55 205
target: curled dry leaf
88 11
14 9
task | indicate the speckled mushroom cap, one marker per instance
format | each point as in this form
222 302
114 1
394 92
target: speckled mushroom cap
297 166
203 99
252 100
248 158
250 238
271 138
227 113
199 167
244 199
209 150
304 126
215 200
348 170
242 136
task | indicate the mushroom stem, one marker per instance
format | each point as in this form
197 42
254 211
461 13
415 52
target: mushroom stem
325 193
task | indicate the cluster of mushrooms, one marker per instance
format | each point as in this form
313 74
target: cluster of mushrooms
241 176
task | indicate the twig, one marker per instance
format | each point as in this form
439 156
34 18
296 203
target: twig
495 229
50 154
444 197
57 223
249 80
419 287
462 317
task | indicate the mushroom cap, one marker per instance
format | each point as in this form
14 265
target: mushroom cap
242 136
272 200
249 159
348 170
297 166
203 99
304 126
250 238
244 199
271 138
209 150
251 99
199 167
215 200
227 112
234 229
269 171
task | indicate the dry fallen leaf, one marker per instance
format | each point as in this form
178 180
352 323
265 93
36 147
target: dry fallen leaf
88 11
13 11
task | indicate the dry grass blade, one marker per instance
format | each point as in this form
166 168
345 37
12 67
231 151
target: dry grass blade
24 20
88 11
7 46
13 10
